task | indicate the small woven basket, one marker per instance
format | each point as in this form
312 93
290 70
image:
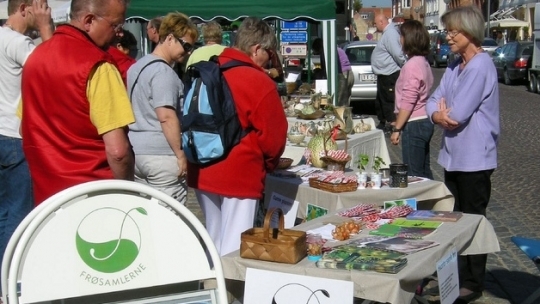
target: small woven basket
335 164
273 245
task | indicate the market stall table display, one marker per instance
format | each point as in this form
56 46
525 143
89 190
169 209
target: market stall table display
430 194
371 143
472 234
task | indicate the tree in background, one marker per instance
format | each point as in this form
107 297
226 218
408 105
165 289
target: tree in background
357 5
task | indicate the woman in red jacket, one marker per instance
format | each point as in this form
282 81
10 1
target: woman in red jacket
228 191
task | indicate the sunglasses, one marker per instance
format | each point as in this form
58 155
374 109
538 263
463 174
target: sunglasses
188 47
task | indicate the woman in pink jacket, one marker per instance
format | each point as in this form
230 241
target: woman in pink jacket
413 127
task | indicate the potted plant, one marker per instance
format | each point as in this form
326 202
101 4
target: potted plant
362 162
377 163
376 177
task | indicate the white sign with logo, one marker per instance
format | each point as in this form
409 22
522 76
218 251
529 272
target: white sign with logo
108 243
263 286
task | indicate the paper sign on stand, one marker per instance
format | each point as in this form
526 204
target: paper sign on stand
321 86
447 273
263 286
289 207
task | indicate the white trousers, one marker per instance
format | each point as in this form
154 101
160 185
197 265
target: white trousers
226 218
161 172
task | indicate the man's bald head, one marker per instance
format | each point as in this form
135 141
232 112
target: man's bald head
381 21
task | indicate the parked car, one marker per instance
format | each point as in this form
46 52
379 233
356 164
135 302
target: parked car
365 81
489 45
511 61
439 49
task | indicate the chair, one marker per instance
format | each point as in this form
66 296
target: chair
531 248
111 241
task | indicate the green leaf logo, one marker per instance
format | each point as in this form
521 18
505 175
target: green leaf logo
108 240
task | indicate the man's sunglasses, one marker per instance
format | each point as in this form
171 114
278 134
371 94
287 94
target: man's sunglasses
188 47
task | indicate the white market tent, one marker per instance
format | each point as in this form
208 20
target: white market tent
507 22
59 10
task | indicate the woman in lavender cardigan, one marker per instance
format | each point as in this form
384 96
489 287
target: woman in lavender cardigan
466 106
412 125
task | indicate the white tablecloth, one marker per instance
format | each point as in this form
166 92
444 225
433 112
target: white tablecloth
472 234
430 194
371 143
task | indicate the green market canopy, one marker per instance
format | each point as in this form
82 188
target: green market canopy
206 10
316 10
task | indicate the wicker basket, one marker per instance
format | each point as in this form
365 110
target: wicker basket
335 188
273 245
334 163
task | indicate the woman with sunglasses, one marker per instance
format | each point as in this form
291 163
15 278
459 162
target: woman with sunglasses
466 106
156 92
229 190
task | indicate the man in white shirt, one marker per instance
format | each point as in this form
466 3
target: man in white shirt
16 199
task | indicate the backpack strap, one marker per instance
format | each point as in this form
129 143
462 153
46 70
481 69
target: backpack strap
140 72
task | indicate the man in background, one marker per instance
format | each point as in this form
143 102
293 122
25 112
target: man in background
152 30
346 79
75 130
16 199
386 60
212 35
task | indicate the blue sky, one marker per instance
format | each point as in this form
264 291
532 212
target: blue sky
379 3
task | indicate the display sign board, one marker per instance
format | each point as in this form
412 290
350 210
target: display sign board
447 273
289 207
294 25
263 286
108 243
294 50
293 37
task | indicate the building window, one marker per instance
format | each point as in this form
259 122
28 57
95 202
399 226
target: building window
406 3
364 16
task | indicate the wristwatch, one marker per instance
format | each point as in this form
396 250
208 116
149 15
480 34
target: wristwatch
394 129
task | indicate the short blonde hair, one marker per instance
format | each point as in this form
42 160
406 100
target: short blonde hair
212 32
179 25
468 20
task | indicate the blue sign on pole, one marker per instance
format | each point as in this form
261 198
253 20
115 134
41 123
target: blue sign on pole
293 37
294 25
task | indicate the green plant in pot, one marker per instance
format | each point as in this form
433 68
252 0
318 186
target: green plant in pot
376 177
377 163
362 162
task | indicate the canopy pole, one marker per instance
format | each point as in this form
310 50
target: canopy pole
330 51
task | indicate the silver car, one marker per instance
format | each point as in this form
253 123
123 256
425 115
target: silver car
365 82
489 45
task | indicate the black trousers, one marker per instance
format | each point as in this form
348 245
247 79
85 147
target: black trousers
386 97
471 191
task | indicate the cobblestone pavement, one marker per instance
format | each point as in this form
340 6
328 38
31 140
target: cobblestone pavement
514 206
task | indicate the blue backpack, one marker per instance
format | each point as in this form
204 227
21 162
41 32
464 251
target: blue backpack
210 125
